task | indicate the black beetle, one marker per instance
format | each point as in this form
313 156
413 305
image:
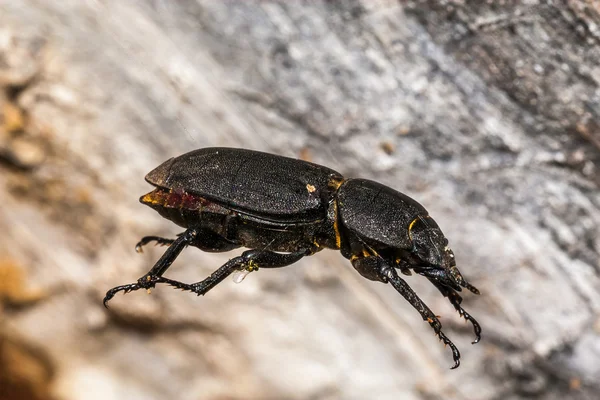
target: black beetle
284 209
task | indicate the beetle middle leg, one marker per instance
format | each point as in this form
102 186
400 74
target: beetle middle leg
250 259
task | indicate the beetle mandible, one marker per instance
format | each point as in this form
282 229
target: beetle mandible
284 209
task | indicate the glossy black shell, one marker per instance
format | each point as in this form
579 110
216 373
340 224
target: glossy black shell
377 213
263 185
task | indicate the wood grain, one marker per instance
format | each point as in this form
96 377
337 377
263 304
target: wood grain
485 112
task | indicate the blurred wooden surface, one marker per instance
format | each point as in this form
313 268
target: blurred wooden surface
488 115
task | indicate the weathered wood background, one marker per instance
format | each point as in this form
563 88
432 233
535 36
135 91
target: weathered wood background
487 112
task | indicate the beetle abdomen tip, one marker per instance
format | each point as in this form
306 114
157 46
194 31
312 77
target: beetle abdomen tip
172 199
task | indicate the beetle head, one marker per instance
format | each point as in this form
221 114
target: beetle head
429 243
436 260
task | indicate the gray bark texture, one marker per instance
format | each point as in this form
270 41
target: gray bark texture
486 112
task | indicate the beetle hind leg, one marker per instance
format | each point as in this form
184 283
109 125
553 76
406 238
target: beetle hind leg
149 280
160 241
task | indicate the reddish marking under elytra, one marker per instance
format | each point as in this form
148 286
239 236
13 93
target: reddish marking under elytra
191 202
178 199
173 200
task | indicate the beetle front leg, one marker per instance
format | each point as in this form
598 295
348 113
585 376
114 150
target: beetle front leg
249 260
455 299
406 291
375 268
149 280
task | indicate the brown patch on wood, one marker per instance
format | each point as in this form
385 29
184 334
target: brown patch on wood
26 372
13 287
13 118
388 148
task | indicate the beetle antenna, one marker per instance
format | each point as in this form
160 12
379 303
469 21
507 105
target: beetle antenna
471 288
458 278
